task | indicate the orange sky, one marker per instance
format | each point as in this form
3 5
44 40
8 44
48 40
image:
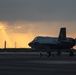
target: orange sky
23 20
23 32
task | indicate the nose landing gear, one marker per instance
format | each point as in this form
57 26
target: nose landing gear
48 54
58 52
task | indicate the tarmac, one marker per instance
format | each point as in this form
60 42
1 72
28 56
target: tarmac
17 63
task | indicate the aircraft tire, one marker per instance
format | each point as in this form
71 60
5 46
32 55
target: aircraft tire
40 54
58 52
71 53
48 54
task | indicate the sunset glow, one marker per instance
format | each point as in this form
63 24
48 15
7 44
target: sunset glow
22 20
5 35
27 31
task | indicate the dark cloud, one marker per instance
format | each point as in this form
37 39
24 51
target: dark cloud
37 10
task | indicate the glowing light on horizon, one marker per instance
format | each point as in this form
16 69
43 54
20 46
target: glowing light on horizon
4 35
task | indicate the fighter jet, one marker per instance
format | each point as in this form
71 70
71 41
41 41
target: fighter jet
57 43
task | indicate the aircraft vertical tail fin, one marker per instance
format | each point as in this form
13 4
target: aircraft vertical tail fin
62 34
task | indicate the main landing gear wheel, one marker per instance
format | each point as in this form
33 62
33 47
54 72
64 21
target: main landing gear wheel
58 52
71 53
40 54
48 54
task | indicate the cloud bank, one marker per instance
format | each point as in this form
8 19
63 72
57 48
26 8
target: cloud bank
38 10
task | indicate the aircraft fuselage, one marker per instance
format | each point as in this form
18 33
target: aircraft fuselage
52 43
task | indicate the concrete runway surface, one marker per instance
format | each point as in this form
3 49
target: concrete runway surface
32 64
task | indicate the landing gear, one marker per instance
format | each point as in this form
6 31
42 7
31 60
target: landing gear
58 52
40 54
71 53
48 54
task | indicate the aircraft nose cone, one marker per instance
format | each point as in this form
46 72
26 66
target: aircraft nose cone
30 44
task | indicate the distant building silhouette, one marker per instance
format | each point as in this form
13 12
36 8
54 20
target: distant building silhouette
5 44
